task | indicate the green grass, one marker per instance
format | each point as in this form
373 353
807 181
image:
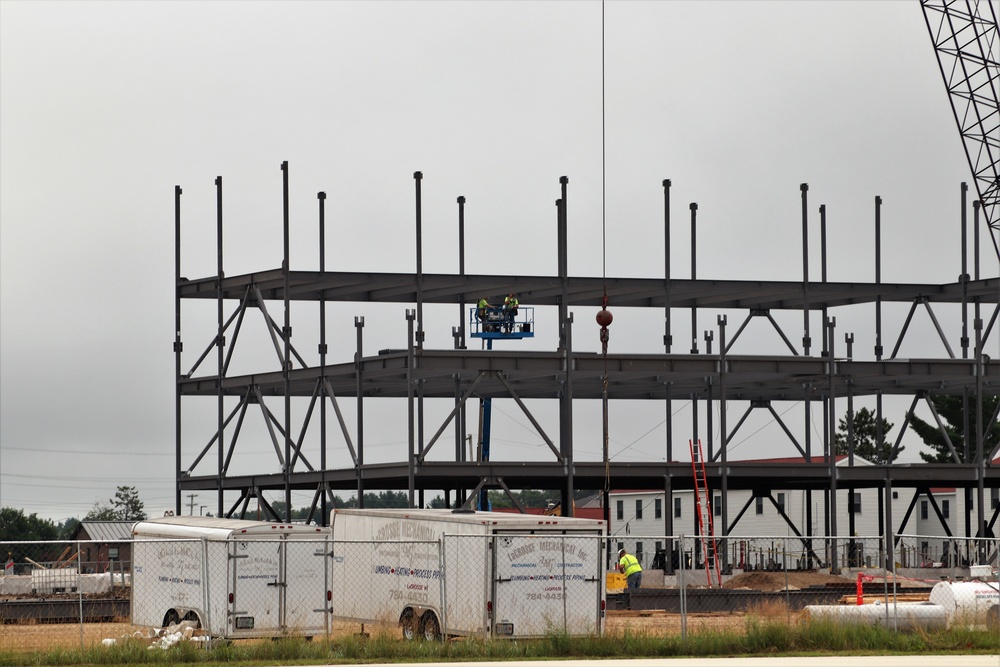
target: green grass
761 637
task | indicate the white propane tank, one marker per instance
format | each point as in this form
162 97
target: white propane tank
968 601
900 616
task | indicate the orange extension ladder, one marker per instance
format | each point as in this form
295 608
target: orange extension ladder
703 508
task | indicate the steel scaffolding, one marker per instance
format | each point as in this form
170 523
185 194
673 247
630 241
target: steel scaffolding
822 374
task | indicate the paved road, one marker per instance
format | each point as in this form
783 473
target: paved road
825 661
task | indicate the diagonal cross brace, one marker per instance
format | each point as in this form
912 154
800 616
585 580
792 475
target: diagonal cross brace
451 415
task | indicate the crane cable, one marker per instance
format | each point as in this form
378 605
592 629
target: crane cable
604 316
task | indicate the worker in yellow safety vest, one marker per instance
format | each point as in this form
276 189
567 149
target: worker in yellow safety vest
509 311
629 566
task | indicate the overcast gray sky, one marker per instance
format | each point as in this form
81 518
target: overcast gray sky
106 106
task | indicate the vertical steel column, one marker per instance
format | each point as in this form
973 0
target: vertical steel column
461 272
178 349
417 177
411 458
566 429
806 340
883 499
693 208
831 432
562 258
694 275
566 346
889 532
668 338
878 278
460 340
418 341
964 278
286 335
980 436
809 459
220 340
724 445
850 459
822 258
668 523
321 196
359 325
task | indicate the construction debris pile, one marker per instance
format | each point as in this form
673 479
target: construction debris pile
164 638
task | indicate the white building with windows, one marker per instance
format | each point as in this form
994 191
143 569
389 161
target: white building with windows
642 520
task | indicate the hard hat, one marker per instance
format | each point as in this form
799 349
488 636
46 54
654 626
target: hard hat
621 551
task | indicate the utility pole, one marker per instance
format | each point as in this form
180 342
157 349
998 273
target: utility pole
191 496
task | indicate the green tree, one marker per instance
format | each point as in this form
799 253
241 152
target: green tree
100 513
386 499
125 506
67 528
300 514
526 497
952 413
16 527
867 444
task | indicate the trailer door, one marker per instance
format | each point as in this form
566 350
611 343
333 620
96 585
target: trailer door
304 608
256 588
546 583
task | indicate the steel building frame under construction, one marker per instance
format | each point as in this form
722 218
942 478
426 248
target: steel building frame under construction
821 372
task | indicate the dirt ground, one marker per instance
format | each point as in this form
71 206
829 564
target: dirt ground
777 581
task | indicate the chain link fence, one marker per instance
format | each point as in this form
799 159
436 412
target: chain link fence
72 594
698 584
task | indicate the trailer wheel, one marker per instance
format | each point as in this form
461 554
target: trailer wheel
430 629
171 618
408 622
191 616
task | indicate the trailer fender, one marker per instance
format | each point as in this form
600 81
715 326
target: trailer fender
178 614
419 621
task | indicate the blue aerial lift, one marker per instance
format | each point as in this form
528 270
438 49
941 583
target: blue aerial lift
497 323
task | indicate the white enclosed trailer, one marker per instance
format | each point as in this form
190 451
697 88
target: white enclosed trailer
237 579
447 572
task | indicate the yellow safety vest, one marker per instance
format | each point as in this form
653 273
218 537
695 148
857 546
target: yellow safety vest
630 565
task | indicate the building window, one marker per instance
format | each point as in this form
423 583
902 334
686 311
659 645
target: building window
658 508
620 510
677 508
759 504
638 552
781 502
923 509
855 507
621 545
895 495
638 509
112 553
717 506
945 508
994 498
